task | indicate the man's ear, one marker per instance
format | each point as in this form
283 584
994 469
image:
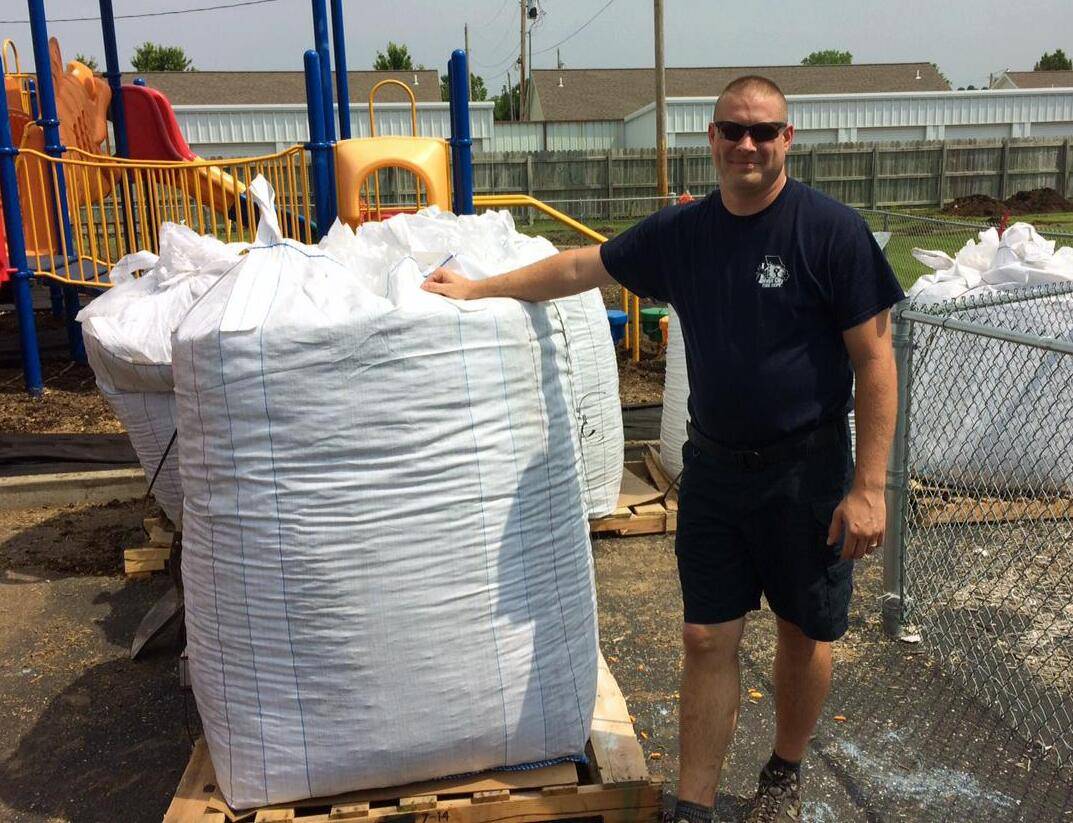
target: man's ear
788 135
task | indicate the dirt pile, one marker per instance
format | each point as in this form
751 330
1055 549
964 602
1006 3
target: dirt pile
1036 201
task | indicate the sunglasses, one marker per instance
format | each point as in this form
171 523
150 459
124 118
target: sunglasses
760 132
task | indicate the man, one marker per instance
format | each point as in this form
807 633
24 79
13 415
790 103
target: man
783 296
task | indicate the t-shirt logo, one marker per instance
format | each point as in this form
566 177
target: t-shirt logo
771 273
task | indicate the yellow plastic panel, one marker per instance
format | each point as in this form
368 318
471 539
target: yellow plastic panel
427 157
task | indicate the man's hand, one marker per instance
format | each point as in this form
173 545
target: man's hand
450 284
861 516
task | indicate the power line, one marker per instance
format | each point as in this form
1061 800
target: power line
218 7
580 29
488 23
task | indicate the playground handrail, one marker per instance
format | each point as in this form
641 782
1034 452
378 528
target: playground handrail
372 103
117 205
23 79
631 304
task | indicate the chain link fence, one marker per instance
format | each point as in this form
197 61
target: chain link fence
979 555
909 231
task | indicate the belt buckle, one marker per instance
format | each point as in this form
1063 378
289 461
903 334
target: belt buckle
750 460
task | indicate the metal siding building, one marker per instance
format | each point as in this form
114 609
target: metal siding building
883 117
229 131
234 131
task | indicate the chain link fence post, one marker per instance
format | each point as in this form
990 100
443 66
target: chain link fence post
892 601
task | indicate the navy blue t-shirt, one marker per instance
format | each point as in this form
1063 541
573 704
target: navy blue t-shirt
763 301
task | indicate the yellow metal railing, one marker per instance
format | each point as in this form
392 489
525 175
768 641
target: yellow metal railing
373 199
116 206
631 303
18 76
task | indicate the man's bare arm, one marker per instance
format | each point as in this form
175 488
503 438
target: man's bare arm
862 515
570 272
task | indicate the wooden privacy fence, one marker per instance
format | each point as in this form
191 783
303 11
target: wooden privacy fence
622 183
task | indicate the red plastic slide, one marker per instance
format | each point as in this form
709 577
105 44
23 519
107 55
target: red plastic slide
152 130
153 134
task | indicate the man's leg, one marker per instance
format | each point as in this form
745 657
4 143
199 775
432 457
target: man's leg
708 708
802 681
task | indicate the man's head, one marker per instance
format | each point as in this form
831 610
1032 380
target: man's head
747 162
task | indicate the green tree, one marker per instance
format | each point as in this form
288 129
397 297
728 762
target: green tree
1056 61
87 61
479 90
938 71
397 58
156 57
828 57
508 103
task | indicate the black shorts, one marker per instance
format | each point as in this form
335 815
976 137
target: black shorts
747 530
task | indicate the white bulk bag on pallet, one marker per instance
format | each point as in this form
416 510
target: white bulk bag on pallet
386 560
488 244
127 333
672 425
975 419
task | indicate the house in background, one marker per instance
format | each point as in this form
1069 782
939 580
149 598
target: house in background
614 94
229 114
1032 80
248 113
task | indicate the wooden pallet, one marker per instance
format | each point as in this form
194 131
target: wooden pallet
648 503
614 787
141 562
936 506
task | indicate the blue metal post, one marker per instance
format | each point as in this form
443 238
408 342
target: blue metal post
317 145
16 246
461 144
115 78
320 35
342 87
31 87
53 147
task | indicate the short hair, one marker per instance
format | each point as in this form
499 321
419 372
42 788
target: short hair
754 83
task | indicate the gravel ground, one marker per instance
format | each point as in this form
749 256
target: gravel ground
87 735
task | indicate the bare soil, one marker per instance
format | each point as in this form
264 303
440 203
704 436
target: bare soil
1036 201
71 403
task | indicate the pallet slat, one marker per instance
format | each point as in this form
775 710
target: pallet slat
625 793
655 513
148 559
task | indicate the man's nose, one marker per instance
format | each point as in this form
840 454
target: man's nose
746 143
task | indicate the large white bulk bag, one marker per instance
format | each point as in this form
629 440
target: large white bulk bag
386 560
488 244
975 419
672 426
991 414
150 421
127 334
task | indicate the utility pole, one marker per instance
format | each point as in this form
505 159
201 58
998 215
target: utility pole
469 80
661 107
510 99
521 81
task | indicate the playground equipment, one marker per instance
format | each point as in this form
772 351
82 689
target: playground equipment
71 209
359 162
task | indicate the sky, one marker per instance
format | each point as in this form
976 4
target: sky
967 40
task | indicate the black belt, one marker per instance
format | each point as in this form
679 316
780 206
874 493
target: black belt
829 434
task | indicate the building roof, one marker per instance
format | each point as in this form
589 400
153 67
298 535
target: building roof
612 94
1040 79
236 88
